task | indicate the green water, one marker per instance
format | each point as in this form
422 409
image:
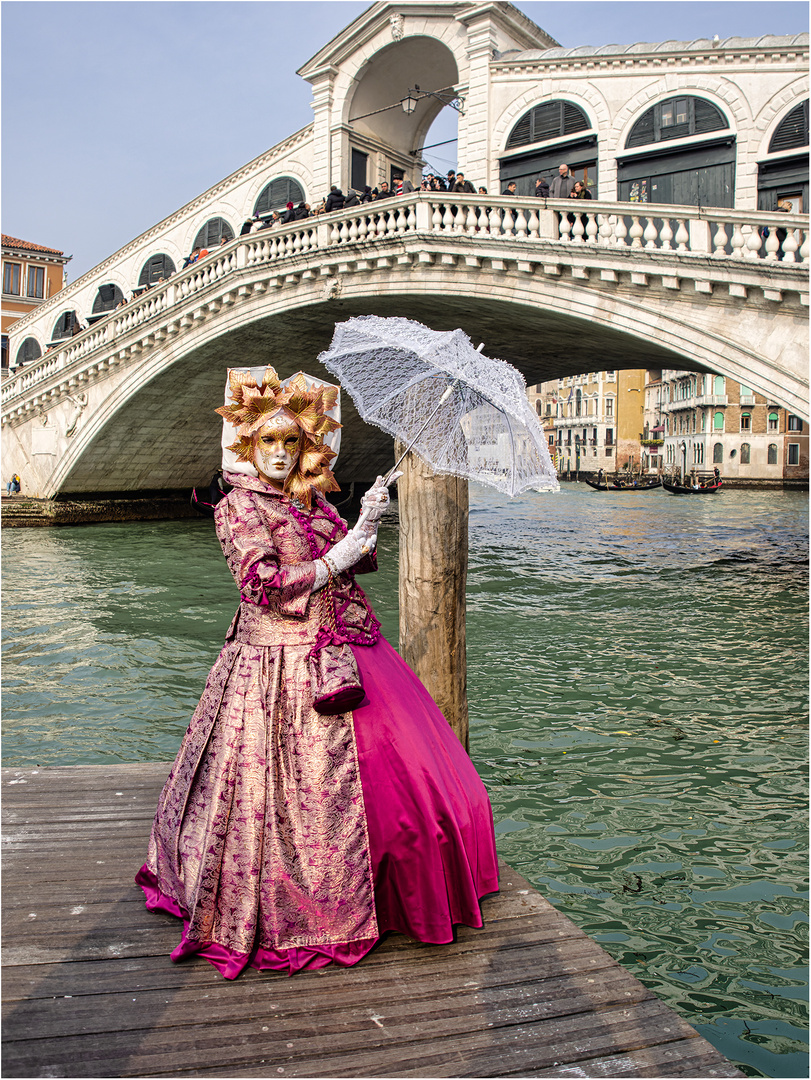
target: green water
638 686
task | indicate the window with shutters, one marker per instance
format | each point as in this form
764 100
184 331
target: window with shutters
11 278
36 282
676 118
212 232
108 297
66 325
155 268
794 423
28 351
277 194
550 120
792 131
718 421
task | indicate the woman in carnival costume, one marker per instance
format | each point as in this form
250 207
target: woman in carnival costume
285 838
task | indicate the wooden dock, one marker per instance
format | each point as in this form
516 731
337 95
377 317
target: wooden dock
89 990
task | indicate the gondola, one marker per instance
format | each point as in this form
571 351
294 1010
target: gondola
680 489
616 486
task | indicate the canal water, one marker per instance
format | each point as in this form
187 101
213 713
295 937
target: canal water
638 684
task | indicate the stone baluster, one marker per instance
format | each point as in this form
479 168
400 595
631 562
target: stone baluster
344 232
754 243
297 242
564 228
772 246
508 225
335 235
380 224
682 235
436 219
720 241
637 232
738 241
620 233
401 220
363 228
591 228
353 230
577 229
666 235
391 222
651 234
790 247
447 219
495 221
411 219
521 223
472 220
804 248
534 224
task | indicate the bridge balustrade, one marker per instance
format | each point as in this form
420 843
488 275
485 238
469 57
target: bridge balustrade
522 224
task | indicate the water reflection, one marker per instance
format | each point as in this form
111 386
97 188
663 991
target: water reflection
638 695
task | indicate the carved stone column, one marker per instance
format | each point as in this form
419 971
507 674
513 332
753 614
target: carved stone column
433 578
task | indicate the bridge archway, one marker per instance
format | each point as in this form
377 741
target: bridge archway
156 430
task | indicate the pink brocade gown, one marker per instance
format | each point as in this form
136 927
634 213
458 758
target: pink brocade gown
285 839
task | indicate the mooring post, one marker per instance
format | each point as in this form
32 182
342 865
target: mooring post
433 578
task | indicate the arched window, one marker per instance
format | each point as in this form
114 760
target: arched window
212 232
28 351
718 385
538 407
792 131
66 326
718 453
771 456
155 268
745 453
108 297
676 118
551 120
278 193
718 421
578 403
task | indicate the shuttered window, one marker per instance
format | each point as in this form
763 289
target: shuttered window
676 118
36 282
212 232
64 326
792 131
107 298
155 268
277 194
11 278
548 121
28 351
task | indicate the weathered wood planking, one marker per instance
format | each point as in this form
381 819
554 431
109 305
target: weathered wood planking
88 988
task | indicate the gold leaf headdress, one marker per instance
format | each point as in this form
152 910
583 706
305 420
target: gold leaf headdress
254 403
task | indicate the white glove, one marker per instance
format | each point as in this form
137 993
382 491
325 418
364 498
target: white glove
374 504
345 553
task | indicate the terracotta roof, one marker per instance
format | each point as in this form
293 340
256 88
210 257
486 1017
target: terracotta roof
25 245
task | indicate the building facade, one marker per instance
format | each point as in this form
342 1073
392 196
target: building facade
695 422
592 421
31 275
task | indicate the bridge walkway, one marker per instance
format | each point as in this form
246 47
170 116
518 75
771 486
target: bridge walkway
89 990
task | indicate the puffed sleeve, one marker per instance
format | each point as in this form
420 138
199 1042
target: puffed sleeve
263 577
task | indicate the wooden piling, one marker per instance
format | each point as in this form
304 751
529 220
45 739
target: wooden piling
433 579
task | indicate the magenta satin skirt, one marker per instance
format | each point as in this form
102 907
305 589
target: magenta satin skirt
429 820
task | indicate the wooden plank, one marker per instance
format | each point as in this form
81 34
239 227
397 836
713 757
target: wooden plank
89 989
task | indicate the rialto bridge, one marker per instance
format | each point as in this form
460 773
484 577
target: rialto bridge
646 274
127 405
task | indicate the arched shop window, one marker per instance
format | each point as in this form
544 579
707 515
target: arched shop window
212 232
28 352
771 456
277 194
745 453
155 268
542 128
699 174
107 298
66 325
551 120
784 180
717 453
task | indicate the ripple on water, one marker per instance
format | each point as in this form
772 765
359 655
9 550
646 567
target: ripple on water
638 692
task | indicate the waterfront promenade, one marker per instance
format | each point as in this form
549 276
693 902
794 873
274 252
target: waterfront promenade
88 988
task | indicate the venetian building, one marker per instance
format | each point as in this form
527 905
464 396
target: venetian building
31 274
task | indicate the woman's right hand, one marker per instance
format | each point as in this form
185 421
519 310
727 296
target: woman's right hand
345 553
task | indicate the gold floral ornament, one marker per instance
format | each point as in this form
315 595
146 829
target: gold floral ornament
253 404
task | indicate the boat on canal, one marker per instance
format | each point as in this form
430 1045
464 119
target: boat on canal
692 489
625 485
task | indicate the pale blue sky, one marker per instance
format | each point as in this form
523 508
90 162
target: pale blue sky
115 114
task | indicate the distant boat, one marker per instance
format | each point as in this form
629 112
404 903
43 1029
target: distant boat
687 489
617 485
